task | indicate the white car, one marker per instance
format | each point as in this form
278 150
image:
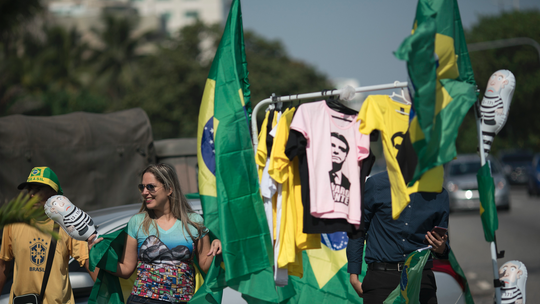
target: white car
115 218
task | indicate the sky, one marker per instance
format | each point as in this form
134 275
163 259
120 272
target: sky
352 38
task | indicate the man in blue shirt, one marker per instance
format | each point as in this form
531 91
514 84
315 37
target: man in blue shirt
389 242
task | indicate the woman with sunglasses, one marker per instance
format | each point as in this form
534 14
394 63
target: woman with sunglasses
161 241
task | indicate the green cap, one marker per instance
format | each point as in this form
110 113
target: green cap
43 176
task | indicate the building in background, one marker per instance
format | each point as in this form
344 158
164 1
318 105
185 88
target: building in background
175 14
168 16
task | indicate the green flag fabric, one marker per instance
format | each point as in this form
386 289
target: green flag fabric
488 210
441 83
410 283
108 288
228 179
457 269
408 290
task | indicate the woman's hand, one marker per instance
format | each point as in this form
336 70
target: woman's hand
92 241
215 248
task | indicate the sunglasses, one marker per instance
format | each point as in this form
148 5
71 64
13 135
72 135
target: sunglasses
149 187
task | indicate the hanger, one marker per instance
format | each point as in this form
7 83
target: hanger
402 98
333 103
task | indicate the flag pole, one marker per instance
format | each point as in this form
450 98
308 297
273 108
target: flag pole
493 246
491 116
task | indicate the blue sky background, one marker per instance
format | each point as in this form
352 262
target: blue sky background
352 38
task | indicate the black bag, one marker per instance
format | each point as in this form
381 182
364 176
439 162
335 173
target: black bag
34 298
31 298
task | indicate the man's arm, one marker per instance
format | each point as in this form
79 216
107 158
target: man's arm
356 284
6 268
355 246
355 256
441 244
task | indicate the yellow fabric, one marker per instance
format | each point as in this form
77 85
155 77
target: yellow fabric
199 280
206 179
304 241
292 240
444 47
326 263
442 98
127 284
31 248
277 165
380 112
262 154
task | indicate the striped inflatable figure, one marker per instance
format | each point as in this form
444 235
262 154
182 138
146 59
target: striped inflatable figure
493 111
77 223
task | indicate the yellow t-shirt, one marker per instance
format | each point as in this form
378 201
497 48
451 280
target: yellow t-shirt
30 249
292 240
380 112
261 153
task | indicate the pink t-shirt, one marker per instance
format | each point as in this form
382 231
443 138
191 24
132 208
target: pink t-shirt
334 150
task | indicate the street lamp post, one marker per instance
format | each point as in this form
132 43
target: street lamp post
495 44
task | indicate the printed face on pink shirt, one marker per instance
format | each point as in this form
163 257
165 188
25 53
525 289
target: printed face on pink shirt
339 150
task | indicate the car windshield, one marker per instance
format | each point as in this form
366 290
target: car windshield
470 167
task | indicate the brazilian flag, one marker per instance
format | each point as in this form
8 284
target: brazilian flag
408 290
441 83
410 283
325 278
228 180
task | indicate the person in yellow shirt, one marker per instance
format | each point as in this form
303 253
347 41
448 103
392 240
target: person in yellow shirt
25 249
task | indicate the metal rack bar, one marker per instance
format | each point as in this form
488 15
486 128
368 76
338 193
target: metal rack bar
276 99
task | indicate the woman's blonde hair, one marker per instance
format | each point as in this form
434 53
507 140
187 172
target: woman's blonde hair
179 205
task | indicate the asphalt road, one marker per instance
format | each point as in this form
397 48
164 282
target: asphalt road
518 236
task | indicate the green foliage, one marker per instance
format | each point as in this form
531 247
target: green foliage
23 209
57 73
272 71
523 61
173 83
13 15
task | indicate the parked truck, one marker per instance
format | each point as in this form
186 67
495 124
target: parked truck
98 157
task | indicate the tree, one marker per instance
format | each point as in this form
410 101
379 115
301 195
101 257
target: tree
52 76
523 61
116 59
49 72
175 76
15 16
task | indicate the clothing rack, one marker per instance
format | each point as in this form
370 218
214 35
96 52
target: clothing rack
276 99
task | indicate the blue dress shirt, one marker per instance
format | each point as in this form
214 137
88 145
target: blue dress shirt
388 240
